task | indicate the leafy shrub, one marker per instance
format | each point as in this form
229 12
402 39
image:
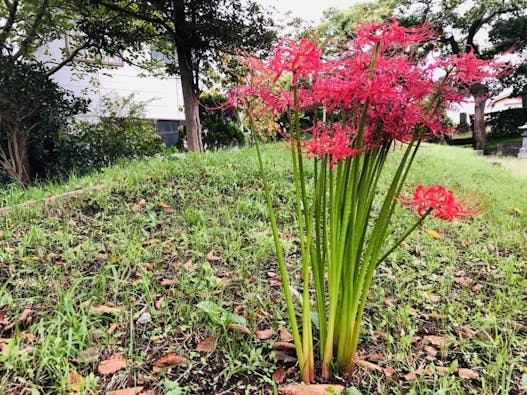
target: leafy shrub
218 123
120 133
33 112
506 123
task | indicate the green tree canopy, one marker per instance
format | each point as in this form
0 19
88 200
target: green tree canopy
28 26
463 26
200 33
339 25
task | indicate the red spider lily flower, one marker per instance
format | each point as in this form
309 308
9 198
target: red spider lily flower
403 98
334 142
442 203
300 58
390 35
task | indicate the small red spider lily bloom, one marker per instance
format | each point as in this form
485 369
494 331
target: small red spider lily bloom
298 58
442 203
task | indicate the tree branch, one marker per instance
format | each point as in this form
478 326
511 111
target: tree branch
13 8
142 16
30 37
476 26
72 54
454 46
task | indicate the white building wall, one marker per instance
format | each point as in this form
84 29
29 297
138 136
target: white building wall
164 95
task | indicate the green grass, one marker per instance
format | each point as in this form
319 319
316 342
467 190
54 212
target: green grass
465 139
157 220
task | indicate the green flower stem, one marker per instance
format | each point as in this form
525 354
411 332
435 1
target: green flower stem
279 253
304 230
402 238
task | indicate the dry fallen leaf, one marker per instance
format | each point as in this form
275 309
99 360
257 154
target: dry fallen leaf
284 346
432 298
212 258
275 283
282 356
159 302
147 266
463 281
102 309
4 347
442 370
112 365
467 374
410 376
264 334
433 316
388 302
207 345
373 357
167 283
477 287
169 359
27 316
167 207
189 266
285 336
439 341
465 331
311 389
76 381
484 336
430 351
4 319
368 365
236 327
113 327
279 375
29 337
126 391
388 372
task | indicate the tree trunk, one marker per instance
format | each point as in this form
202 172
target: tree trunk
479 92
190 101
17 164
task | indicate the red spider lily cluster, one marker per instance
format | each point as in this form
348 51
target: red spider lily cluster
378 91
441 202
347 111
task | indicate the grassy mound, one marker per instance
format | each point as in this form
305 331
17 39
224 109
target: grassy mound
99 290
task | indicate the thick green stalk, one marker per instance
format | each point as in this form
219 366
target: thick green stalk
317 262
372 251
333 277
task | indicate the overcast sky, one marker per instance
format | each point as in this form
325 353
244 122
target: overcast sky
307 9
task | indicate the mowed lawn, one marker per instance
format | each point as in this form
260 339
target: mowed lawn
162 278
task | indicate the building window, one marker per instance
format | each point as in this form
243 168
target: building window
85 57
169 131
161 57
